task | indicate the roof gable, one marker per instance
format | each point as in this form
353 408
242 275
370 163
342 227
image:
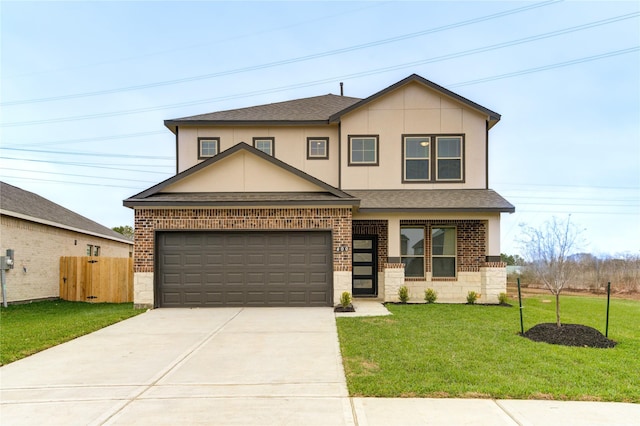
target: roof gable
202 179
26 205
492 116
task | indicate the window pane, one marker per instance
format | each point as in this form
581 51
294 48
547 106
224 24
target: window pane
362 244
362 270
357 144
370 156
449 147
412 241
363 150
208 148
416 169
413 266
416 147
369 144
449 169
362 257
444 266
360 283
318 148
264 146
443 241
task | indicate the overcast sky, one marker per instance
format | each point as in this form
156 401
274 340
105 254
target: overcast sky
86 86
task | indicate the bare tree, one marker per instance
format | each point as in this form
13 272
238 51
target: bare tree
548 249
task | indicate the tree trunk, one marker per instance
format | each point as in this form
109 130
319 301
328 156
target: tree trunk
558 309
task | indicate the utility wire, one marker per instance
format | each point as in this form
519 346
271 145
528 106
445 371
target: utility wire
89 154
82 140
77 183
75 175
287 61
92 165
376 71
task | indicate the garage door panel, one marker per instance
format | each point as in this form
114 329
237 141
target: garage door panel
261 268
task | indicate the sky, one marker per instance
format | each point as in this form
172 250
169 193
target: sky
85 87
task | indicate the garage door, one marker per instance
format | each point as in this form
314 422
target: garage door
244 269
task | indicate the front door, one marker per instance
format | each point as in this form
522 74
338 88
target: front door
365 265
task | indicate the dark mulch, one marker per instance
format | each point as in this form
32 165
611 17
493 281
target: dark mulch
341 308
569 335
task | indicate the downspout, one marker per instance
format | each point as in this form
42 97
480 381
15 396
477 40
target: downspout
340 155
486 154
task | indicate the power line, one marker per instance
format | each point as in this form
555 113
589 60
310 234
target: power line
78 183
92 165
88 154
97 138
287 61
74 175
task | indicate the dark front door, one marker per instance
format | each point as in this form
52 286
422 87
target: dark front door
365 265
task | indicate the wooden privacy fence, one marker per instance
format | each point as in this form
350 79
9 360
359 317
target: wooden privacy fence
96 279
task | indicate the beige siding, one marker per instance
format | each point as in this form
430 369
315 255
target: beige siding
243 172
290 146
38 249
412 109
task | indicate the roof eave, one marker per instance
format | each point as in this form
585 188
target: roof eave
438 210
133 203
173 124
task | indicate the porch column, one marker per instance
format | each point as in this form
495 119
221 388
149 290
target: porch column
393 238
493 238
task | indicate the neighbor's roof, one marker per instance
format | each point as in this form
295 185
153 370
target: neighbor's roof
432 200
315 110
26 205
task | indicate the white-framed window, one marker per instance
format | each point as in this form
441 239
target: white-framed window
363 150
432 158
96 250
449 158
89 250
443 251
265 145
412 250
417 158
208 147
317 148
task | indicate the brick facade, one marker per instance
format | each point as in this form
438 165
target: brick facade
147 221
471 242
379 228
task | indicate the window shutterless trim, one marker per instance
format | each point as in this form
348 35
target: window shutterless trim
437 158
449 256
377 151
207 139
266 138
433 159
414 256
326 148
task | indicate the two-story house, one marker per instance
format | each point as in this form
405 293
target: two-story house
293 203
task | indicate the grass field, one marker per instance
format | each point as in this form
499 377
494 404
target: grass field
30 328
475 351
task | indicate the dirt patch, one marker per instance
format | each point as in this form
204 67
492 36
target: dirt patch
569 335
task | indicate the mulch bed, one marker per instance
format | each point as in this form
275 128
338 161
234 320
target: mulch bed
569 335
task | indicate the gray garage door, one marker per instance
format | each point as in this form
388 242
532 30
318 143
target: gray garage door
244 269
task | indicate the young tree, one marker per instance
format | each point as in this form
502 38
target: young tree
125 230
548 249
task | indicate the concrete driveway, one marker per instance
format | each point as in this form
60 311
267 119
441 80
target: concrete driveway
245 366
249 366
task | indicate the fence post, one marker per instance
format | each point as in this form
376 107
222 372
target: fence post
520 303
606 329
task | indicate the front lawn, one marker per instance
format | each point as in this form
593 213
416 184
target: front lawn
30 328
474 351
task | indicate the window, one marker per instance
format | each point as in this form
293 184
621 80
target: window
443 252
412 250
89 250
93 250
317 148
449 158
264 144
363 150
416 158
96 250
432 158
207 147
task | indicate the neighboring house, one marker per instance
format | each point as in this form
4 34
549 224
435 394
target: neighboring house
40 232
293 203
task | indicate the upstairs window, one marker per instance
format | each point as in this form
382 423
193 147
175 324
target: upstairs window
317 148
208 147
432 158
443 252
363 150
264 144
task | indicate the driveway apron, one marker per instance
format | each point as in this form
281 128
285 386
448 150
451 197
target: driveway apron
244 366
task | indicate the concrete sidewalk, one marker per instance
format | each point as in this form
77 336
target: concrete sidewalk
244 366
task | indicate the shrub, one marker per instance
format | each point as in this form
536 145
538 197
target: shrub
472 296
345 299
430 295
503 298
403 294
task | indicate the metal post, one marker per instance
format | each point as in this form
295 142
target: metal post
606 330
520 303
3 283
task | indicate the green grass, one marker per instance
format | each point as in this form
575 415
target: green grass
475 351
30 328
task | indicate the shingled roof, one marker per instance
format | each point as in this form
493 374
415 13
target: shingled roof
314 110
26 205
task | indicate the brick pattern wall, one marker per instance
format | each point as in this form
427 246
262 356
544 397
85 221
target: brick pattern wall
379 228
147 221
471 242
